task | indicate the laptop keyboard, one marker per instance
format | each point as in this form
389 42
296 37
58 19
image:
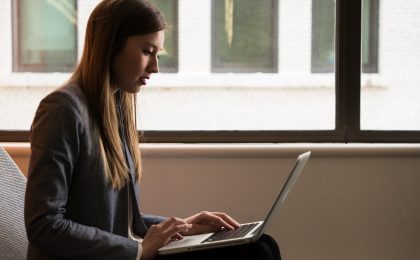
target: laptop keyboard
229 234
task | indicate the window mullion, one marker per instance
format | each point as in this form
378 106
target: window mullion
348 53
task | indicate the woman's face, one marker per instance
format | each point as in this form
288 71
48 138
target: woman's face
138 59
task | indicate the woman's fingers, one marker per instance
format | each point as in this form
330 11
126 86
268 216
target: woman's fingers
162 233
219 219
176 237
173 226
228 219
172 221
201 228
205 221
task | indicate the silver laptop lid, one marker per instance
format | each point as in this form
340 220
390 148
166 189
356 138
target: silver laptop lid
290 182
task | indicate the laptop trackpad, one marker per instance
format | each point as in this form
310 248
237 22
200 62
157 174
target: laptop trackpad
187 241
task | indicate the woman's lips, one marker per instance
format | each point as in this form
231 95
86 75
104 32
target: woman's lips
143 80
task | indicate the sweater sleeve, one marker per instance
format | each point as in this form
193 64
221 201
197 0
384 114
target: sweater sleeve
55 144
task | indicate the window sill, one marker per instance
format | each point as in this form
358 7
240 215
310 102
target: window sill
259 150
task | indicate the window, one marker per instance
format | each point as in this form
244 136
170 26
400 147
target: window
169 57
323 28
244 36
298 71
390 101
244 45
45 35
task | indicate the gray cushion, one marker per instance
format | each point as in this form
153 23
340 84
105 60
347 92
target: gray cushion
13 240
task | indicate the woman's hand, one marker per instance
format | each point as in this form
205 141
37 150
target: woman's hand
161 234
205 222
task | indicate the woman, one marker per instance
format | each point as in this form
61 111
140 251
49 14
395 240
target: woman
81 199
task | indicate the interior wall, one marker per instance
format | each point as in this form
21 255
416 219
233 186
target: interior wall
351 202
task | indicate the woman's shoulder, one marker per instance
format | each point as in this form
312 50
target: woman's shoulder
69 92
69 95
65 104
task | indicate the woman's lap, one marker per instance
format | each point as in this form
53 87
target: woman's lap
264 248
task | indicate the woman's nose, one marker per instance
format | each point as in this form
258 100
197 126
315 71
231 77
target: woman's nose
153 65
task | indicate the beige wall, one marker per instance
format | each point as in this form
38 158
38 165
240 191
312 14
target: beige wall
352 201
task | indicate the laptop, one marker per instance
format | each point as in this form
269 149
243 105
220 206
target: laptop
246 233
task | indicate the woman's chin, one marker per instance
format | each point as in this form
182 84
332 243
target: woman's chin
133 89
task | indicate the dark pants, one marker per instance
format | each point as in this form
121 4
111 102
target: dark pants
264 248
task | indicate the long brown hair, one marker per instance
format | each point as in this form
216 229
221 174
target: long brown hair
108 27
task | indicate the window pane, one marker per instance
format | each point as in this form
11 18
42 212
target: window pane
390 99
169 57
323 51
323 36
244 37
370 36
46 35
290 98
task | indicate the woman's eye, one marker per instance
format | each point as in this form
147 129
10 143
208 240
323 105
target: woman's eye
147 52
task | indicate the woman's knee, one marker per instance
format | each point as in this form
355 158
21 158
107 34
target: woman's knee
269 245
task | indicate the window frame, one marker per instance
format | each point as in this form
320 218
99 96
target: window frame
348 65
17 66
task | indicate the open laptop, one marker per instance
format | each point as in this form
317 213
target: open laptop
246 233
